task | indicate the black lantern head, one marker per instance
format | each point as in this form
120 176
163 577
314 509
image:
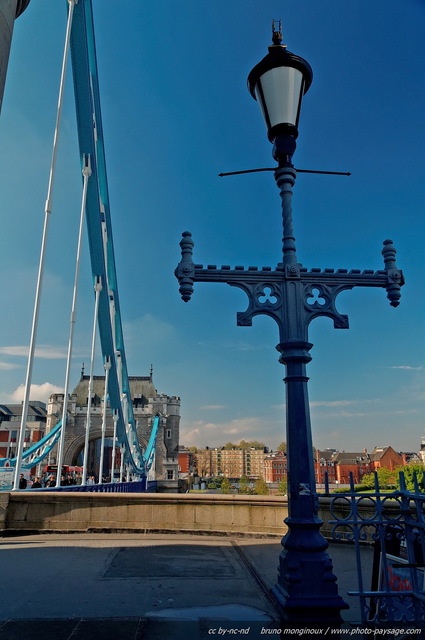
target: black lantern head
278 83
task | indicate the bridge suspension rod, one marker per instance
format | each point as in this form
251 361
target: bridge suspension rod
98 289
107 366
86 175
47 212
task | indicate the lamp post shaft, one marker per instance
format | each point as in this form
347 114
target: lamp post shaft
285 179
301 480
306 587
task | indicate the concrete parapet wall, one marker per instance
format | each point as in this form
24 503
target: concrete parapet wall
4 503
72 512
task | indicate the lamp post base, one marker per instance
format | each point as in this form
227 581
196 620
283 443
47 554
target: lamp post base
307 588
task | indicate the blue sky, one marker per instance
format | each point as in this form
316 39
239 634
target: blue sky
176 112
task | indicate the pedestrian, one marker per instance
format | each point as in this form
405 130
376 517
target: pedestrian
36 484
22 482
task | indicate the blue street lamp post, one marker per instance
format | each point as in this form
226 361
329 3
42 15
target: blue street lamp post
293 296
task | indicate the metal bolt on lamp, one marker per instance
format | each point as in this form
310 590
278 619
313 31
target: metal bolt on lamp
306 587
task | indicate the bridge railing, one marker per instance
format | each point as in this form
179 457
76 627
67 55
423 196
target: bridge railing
112 487
393 589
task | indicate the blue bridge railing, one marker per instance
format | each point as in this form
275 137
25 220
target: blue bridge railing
113 487
393 589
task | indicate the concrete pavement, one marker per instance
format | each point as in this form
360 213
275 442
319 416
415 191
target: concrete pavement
145 586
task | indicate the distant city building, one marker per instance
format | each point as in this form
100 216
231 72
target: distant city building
385 457
422 450
10 426
232 463
325 464
410 457
186 463
203 463
228 462
272 466
275 467
147 403
346 463
340 464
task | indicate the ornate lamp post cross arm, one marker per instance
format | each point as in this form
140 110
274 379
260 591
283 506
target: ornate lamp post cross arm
292 296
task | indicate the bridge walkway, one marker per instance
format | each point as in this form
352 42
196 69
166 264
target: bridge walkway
134 586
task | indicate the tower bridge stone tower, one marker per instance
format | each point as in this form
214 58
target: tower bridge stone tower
147 403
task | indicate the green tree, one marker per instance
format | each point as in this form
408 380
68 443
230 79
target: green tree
368 480
283 486
408 472
386 479
260 487
244 485
282 446
245 444
225 485
193 449
252 444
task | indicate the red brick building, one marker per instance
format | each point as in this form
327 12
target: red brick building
10 426
186 463
324 463
385 457
356 463
275 467
339 464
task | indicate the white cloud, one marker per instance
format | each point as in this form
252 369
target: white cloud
351 414
370 414
43 351
331 403
215 434
213 407
7 366
404 411
407 367
40 392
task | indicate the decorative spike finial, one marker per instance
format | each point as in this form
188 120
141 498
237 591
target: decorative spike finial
395 276
185 270
277 32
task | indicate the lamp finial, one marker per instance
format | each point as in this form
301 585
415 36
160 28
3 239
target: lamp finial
277 32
